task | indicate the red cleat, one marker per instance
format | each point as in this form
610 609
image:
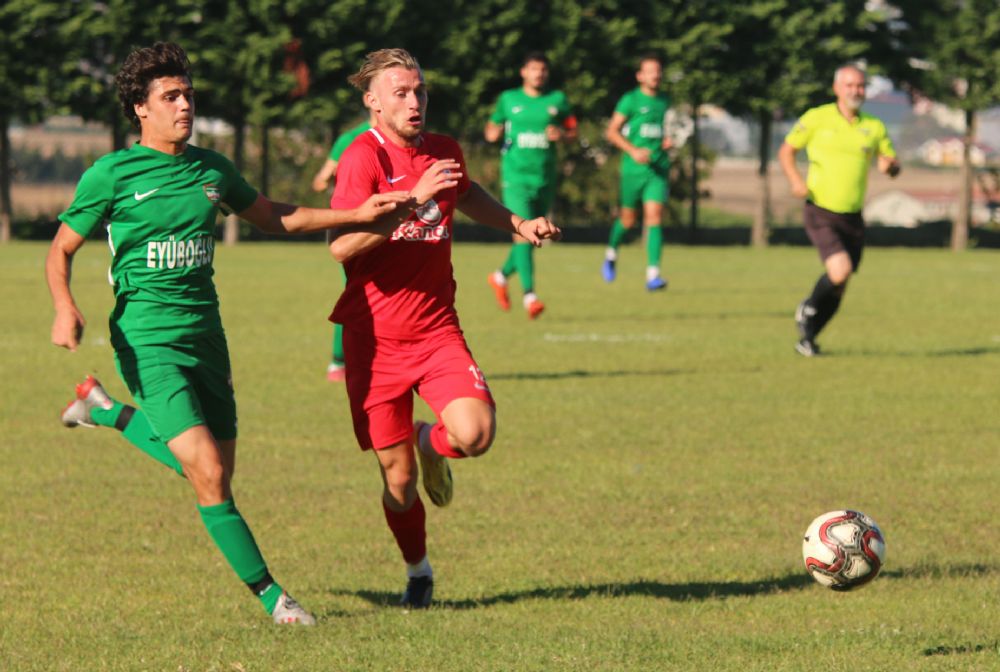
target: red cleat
535 309
503 299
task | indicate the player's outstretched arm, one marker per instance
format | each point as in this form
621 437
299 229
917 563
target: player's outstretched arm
68 324
477 204
274 217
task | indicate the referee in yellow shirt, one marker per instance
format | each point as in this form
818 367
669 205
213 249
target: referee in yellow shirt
840 141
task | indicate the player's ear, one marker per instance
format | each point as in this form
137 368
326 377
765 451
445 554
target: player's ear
371 102
140 110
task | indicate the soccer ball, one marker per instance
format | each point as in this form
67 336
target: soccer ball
843 549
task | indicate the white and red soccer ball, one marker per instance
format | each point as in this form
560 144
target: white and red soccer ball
843 550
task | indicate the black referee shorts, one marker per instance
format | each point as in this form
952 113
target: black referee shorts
832 232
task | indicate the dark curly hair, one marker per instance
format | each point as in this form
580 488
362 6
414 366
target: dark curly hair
141 67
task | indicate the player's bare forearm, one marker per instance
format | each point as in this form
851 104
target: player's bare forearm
68 323
348 243
286 218
492 132
352 241
478 205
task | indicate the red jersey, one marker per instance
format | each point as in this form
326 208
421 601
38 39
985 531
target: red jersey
403 288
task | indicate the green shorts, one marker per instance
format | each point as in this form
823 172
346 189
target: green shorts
181 385
639 188
528 202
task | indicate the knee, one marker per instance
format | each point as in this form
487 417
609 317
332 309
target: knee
839 277
475 439
400 478
208 477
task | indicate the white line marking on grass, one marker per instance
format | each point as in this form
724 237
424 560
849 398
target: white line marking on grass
605 338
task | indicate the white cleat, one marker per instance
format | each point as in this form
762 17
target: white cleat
287 610
89 395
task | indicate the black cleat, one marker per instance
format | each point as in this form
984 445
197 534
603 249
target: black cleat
419 591
807 348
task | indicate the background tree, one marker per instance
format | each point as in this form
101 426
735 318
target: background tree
27 46
96 37
952 50
786 52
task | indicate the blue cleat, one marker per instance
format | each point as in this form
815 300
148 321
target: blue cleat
656 284
608 270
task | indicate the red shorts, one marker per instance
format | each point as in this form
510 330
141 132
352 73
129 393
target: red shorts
382 374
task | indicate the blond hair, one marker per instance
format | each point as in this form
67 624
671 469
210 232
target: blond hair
380 61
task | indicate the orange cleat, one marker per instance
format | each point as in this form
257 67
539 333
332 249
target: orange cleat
535 309
503 299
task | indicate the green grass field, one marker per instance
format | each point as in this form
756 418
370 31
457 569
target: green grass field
658 459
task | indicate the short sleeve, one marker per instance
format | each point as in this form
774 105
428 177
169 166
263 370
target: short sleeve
885 146
92 201
802 131
499 115
237 193
357 177
624 106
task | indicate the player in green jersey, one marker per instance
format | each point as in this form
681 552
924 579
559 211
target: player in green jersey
531 120
841 141
320 183
159 200
638 128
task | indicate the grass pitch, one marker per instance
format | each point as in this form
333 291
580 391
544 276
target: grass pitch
658 458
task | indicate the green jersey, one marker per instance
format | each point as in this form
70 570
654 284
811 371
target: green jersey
645 117
528 159
344 140
160 212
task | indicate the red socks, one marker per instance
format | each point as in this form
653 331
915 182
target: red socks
409 528
439 442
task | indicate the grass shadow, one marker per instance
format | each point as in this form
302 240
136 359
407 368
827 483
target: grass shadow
675 592
938 572
580 373
933 354
680 592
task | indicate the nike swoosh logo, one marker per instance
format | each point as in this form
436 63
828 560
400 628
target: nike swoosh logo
394 180
139 196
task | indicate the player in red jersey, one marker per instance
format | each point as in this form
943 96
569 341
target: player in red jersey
401 331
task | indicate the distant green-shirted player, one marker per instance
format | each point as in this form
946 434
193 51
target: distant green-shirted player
531 121
159 200
638 127
321 182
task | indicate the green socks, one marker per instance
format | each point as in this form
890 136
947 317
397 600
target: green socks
338 344
617 234
233 537
132 423
521 260
654 245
